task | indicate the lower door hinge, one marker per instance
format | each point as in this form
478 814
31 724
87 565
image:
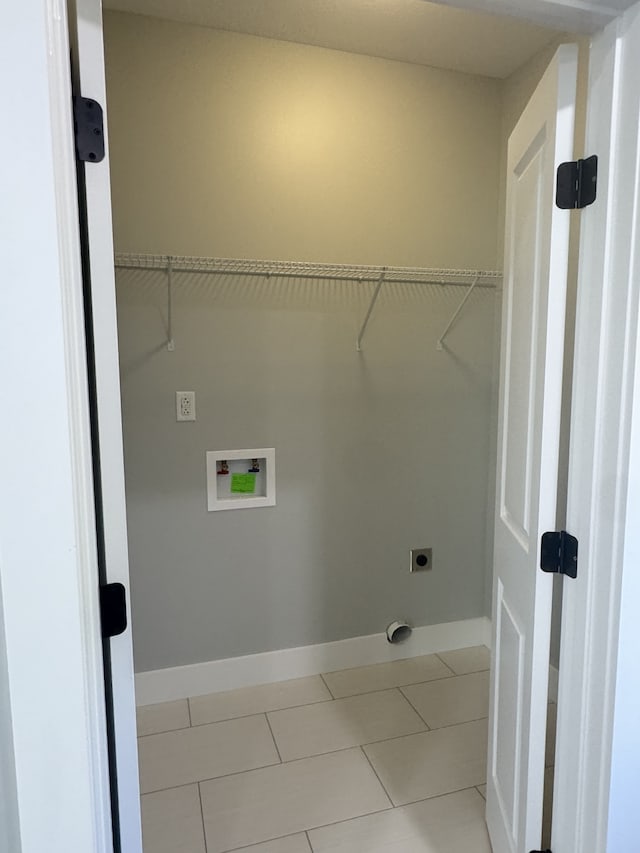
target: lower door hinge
577 183
113 609
88 124
559 553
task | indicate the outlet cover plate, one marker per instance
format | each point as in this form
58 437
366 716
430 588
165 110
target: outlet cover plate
185 405
421 559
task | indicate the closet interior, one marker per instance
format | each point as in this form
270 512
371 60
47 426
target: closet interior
309 244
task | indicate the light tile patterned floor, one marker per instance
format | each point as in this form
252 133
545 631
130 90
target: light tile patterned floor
377 759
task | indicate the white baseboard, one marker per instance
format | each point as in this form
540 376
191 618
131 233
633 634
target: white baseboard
198 679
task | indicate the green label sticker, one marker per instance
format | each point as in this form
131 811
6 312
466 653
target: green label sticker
243 484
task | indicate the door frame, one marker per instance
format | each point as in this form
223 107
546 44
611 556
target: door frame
48 552
595 774
88 79
57 706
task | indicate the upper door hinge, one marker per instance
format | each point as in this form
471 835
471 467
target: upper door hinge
559 553
113 609
89 129
576 183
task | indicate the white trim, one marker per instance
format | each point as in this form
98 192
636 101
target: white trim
266 457
47 524
599 469
89 77
73 322
623 827
179 682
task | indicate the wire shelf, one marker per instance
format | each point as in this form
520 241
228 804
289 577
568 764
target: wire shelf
380 275
306 270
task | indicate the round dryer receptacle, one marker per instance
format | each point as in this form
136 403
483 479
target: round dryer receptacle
398 632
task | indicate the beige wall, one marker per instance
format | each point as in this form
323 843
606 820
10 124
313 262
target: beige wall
236 146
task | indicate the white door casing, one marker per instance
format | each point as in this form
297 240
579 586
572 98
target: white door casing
602 474
535 279
48 555
85 18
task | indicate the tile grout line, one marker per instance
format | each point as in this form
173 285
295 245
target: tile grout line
343 820
453 725
384 811
444 663
372 742
324 681
239 716
414 707
189 710
269 840
273 737
215 778
368 760
163 732
204 833
444 794
336 822
315 755
447 677
350 819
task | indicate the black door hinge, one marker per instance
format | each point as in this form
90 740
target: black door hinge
540 851
89 129
559 553
577 183
113 609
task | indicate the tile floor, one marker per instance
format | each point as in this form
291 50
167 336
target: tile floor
378 759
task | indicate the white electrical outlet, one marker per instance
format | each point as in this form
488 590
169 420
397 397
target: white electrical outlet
185 405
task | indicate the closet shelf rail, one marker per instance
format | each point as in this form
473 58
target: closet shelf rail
171 264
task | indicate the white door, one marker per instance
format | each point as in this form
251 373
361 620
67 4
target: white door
85 22
535 275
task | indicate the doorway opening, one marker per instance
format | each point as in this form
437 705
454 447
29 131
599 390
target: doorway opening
276 203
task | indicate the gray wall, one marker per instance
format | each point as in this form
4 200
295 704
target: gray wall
376 452
228 145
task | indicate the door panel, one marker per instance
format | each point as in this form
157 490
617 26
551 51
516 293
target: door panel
535 276
506 754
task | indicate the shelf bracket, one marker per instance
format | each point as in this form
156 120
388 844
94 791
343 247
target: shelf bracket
170 342
374 299
440 344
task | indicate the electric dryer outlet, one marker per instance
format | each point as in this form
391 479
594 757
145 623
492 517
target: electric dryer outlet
421 559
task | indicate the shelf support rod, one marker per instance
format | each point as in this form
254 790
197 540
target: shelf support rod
170 342
374 299
440 344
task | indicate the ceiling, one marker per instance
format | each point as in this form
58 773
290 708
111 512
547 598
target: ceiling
406 30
